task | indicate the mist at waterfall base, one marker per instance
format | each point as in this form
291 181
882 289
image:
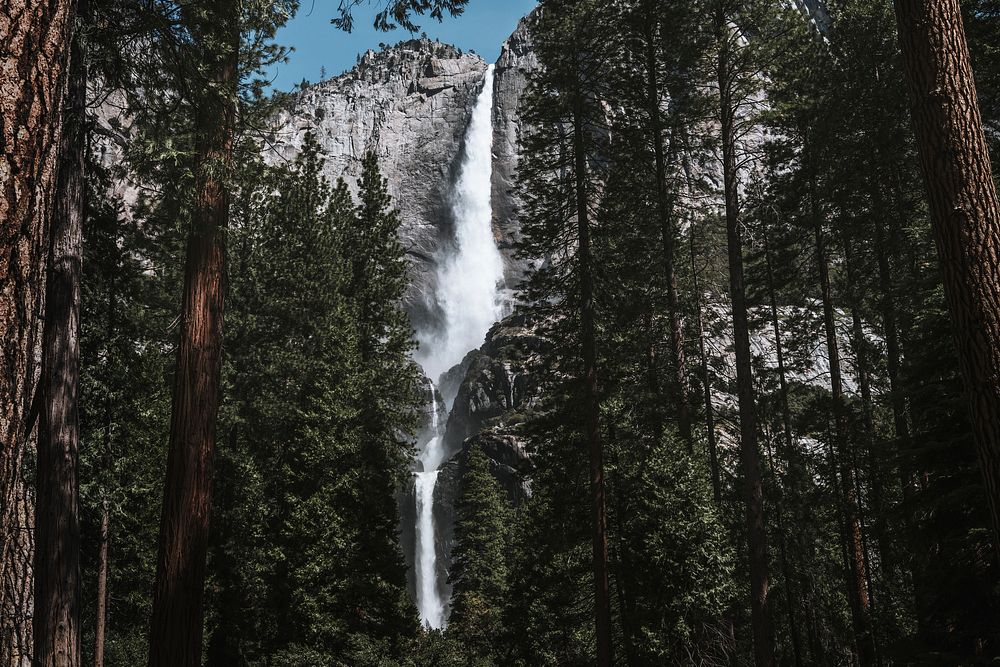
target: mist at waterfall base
467 296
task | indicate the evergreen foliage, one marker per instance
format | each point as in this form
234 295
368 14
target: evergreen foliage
664 142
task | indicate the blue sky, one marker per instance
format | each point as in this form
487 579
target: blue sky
482 28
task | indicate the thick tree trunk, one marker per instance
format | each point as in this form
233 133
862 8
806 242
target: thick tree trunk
760 618
176 623
965 212
665 212
602 603
857 586
56 621
102 587
35 39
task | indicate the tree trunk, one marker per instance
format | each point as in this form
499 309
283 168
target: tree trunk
602 604
102 586
857 588
176 622
964 209
790 457
664 210
35 38
713 448
875 462
763 632
56 620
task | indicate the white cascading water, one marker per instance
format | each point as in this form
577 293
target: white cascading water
470 273
429 602
469 281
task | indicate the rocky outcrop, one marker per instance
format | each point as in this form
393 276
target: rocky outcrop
513 73
411 103
500 387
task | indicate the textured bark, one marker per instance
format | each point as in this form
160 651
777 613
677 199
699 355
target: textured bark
102 587
18 581
964 209
56 621
35 39
176 622
760 617
592 425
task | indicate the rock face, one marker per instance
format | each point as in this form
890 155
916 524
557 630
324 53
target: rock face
500 387
513 73
411 103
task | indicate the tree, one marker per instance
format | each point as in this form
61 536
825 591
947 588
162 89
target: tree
56 619
320 402
36 42
479 572
566 104
736 83
176 623
965 211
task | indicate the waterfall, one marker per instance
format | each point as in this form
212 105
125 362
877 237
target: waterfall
429 602
470 271
469 279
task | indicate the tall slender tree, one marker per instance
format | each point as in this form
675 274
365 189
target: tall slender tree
176 623
735 82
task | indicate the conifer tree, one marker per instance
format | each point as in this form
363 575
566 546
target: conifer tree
964 207
560 177
479 572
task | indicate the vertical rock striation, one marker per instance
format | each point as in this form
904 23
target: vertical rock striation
513 73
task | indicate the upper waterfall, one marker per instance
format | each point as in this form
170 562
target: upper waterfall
470 271
469 276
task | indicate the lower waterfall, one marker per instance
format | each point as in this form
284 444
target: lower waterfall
469 279
429 602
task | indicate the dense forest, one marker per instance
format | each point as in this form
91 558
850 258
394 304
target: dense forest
740 407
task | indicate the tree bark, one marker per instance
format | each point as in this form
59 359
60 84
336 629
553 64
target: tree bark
592 426
760 618
964 209
176 622
102 586
56 620
35 38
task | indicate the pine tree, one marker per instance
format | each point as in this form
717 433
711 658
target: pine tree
479 572
561 176
964 209
36 50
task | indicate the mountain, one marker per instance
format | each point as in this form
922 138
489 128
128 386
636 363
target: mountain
412 103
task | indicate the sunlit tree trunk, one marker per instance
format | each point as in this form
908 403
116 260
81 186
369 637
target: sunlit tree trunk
177 615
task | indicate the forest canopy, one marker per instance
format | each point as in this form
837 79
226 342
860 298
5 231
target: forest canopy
715 285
